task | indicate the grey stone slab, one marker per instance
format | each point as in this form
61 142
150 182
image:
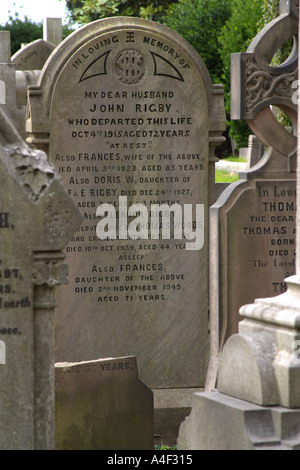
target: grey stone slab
5 47
221 422
52 30
261 364
253 224
171 407
28 62
102 405
37 219
131 112
7 79
255 151
33 55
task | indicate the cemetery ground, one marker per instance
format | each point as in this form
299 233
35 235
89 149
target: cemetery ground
226 174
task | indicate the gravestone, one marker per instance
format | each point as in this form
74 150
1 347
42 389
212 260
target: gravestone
7 78
33 55
131 117
52 30
37 219
255 151
258 392
29 61
102 405
253 223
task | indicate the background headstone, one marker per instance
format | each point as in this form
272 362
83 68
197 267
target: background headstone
29 61
255 151
256 404
102 405
52 30
33 55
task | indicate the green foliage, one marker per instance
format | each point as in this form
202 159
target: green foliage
165 447
22 31
270 11
236 36
67 30
85 11
239 30
235 159
25 31
200 23
216 29
239 131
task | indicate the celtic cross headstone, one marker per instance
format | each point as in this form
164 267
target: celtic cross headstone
258 383
253 223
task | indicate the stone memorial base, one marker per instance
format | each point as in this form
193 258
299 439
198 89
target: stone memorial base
171 407
221 422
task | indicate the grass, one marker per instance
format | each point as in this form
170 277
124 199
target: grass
165 447
225 176
228 177
235 159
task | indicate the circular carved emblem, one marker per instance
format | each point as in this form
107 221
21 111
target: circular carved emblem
130 66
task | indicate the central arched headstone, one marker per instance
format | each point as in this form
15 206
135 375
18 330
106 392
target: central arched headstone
132 120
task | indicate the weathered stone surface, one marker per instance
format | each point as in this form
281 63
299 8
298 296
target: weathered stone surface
33 56
37 219
27 63
255 151
253 223
52 30
102 405
252 243
220 422
254 378
277 321
132 113
7 78
260 364
171 407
